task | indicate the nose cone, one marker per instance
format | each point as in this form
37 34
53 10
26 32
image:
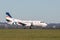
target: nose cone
44 25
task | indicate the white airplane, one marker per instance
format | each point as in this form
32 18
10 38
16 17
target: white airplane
11 20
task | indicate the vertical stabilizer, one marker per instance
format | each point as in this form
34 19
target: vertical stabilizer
7 13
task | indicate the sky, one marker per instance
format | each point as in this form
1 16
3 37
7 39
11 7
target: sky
43 10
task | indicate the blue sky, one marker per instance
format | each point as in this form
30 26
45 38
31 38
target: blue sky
44 10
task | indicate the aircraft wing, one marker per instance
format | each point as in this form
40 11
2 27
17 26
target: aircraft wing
22 23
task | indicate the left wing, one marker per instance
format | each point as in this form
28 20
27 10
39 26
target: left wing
21 23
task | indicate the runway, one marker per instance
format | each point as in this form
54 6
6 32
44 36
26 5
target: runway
8 26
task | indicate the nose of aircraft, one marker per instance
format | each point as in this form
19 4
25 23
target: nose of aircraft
44 25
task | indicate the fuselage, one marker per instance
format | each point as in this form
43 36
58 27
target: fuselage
26 22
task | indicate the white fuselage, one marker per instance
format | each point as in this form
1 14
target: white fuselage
27 23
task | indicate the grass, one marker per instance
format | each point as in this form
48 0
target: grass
29 34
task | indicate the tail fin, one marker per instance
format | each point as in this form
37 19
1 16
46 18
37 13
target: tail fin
7 13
